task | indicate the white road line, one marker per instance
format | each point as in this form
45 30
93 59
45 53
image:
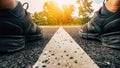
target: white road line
63 52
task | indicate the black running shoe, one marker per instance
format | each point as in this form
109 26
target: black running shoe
104 28
16 29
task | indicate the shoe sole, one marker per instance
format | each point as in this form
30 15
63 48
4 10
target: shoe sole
90 36
111 40
11 43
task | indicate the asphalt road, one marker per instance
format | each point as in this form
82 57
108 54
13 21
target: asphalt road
103 56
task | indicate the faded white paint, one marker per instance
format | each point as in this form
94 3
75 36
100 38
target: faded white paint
63 52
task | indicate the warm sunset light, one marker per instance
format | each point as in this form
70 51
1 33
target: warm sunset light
37 5
65 2
62 12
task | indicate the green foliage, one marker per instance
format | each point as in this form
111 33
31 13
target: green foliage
53 15
39 18
80 21
85 8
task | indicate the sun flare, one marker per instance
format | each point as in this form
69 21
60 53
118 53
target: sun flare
64 2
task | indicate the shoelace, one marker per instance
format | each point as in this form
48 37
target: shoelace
27 5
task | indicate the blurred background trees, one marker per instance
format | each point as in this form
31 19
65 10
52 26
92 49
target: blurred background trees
85 10
52 14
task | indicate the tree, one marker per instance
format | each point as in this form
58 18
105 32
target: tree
67 13
53 15
39 18
85 9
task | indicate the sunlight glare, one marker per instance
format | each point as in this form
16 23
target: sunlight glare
64 2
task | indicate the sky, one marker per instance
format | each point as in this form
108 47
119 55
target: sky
37 5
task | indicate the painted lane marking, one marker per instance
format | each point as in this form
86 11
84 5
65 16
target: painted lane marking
63 52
